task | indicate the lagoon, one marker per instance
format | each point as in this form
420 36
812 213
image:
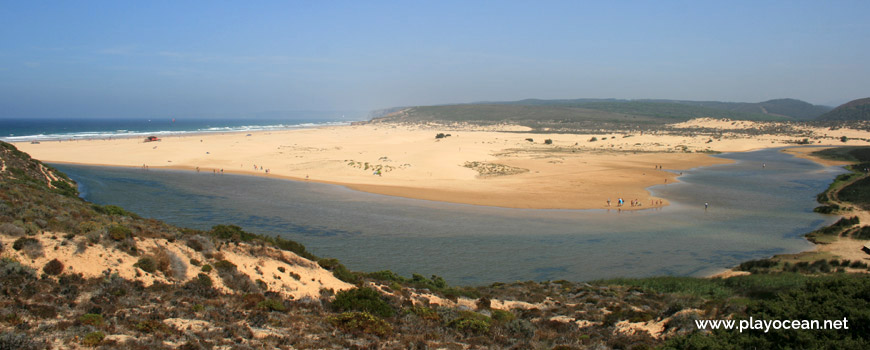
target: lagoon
754 212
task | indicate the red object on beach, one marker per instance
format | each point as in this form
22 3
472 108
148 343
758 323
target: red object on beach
152 138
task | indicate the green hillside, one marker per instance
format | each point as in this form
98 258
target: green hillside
591 113
854 110
794 109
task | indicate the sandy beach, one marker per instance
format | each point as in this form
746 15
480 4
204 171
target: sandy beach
493 166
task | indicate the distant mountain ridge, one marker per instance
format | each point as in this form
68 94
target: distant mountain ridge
590 113
853 110
785 107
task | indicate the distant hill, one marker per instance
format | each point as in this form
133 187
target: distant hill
854 110
592 113
786 107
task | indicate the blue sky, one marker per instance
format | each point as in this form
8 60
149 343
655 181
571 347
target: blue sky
153 58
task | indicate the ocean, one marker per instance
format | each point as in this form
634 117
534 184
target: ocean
754 212
18 130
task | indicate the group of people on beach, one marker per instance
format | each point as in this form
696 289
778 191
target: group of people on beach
213 171
256 169
635 202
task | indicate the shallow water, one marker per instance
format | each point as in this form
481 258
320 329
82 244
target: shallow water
754 212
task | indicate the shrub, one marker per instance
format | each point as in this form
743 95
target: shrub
93 338
31 246
147 264
200 244
425 313
113 210
520 328
593 139
119 232
271 305
502 315
204 280
95 320
827 209
224 265
64 188
53 267
471 322
150 326
362 299
201 286
530 139
361 322
10 229
16 341
338 270
755 265
206 268
292 246
440 135
22 242
231 233
548 142
233 279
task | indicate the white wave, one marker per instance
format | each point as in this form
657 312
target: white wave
130 134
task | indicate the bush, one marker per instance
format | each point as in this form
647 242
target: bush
231 233
292 246
206 268
471 322
95 320
147 264
10 229
22 242
502 315
520 328
64 188
338 270
224 265
201 286
361 322
440 135
93 339
203 280
113 210
425 313
755 265
53 267
16 341
150 326
593 139
530 139
119 232
548 142
31 246
362 299
234 279
271 305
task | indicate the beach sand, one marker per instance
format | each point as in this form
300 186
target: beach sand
493 166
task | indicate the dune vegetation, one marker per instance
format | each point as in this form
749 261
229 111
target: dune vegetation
159 286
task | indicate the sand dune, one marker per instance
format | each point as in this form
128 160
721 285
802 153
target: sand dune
469 166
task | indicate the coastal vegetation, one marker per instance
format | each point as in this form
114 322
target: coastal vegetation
598 114
851 111
223 304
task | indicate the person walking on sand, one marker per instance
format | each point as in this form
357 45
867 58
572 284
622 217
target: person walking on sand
608 202
706 205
